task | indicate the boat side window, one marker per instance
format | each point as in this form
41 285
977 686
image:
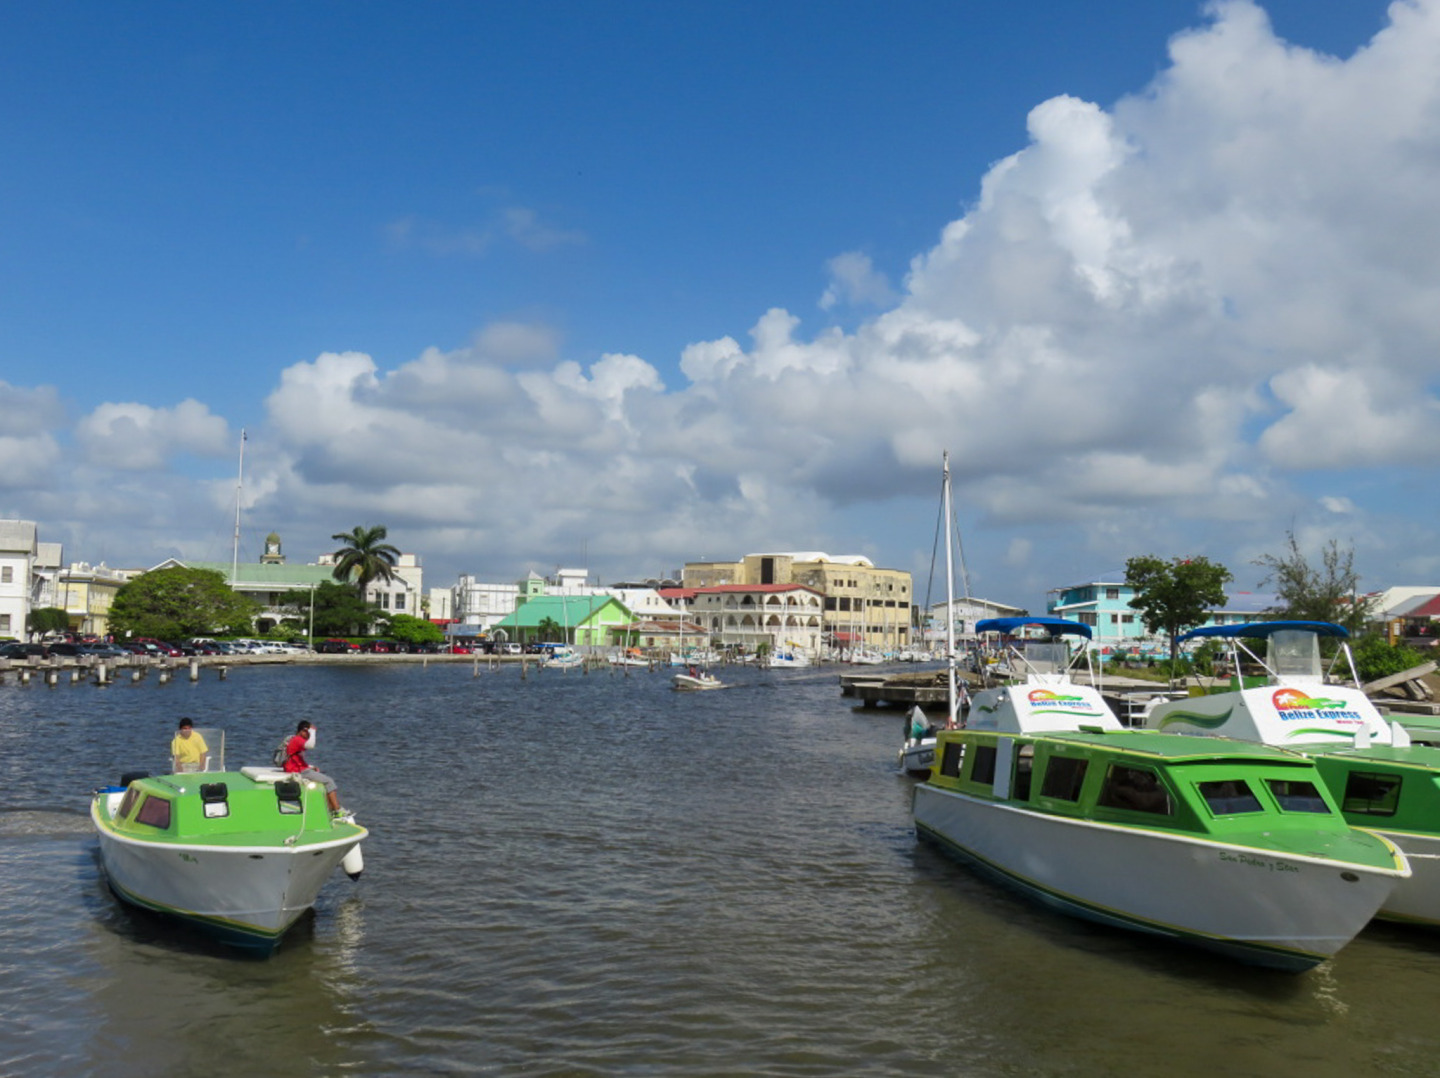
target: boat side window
132 794
1134 788
155 812
1370 794
1228 797
1296 796
983 769
952 758
1064 776
1024 769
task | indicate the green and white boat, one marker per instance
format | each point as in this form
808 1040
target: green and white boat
1231 846
241 854
1372 768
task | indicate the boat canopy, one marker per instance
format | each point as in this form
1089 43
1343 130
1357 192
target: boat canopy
1056 626
1263 629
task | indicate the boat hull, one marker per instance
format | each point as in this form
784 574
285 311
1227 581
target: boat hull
1264 907
247 896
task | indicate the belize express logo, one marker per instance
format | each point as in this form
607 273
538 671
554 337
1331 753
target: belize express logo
1294 704
1045 700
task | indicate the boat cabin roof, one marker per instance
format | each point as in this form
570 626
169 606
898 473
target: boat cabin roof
1176 748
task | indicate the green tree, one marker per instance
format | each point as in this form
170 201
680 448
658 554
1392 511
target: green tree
1307 592
173 604
1375 657
1174 596
338 610
408 629
47 619
550 629
365 556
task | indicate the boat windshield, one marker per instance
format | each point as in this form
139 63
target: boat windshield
1294 653
1048 658
208 755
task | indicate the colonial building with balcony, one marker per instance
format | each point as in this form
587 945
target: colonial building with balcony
863 605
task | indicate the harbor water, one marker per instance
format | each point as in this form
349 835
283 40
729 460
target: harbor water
591 874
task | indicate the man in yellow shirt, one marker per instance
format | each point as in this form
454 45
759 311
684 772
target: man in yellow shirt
189 749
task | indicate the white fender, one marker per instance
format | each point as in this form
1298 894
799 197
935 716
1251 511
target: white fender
354 862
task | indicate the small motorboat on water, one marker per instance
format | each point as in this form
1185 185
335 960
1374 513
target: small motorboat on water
240 854
696 680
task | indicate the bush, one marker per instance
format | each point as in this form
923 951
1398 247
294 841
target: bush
1376 658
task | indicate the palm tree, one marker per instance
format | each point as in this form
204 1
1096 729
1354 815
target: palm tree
549 629
365 556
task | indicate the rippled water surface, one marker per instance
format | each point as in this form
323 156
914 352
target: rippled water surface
590 874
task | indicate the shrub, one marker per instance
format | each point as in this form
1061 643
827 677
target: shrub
1376 658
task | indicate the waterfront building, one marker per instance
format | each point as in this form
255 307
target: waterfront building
86 592
1104 605
862 604
964 613
19 554
747 616
582 620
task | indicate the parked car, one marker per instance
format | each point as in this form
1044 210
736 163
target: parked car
377 646
104 651
335 646
18 650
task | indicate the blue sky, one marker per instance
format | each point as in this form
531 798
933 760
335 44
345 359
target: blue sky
626 285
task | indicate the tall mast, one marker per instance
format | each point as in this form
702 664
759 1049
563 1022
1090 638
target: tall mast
239 486
950 694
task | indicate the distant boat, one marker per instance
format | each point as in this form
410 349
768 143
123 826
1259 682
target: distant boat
696 680
786 659
240 854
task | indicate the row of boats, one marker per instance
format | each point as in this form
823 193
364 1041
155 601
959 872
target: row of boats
1270 821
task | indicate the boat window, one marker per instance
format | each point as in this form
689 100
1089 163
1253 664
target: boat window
1295 796
155 812
951 758
1024 768
1227 797
983 769
132 794
1064 776
1371 794
1136 789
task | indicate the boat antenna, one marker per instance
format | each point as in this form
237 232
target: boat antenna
239 486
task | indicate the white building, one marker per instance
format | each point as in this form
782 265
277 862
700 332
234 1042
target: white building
19 552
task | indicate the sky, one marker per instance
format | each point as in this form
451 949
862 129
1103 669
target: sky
624 286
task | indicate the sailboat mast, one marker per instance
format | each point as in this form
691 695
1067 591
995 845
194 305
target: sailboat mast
950 694
239 486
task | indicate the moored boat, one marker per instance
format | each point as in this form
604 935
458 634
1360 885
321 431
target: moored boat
1378 776
240 854
1230 846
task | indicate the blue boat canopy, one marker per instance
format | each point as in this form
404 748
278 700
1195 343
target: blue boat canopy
1056 626
1262 629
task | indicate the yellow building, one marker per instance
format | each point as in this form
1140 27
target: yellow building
864 606
86 592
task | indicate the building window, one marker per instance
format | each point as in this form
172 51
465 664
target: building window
4 623
400 601
1112 593
1114 619
7 575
